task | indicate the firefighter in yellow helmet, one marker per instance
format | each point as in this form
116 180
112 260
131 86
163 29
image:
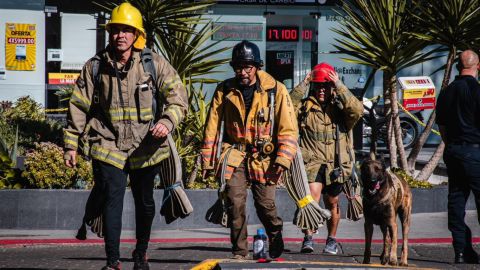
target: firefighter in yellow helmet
117 107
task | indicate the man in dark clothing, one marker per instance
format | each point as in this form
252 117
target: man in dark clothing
458 111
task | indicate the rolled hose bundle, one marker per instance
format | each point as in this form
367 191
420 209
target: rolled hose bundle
175 203
93 216
355 205
309 215
217 213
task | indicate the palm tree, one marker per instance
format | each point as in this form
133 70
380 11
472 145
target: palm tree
454 24
375 35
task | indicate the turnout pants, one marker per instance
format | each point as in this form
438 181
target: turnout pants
264 201
112 182
463 168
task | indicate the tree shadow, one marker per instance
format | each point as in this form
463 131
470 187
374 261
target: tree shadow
126 260
198 248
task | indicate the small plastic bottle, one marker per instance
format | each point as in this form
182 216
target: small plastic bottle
260 245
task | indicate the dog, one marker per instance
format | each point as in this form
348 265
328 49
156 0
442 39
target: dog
385 195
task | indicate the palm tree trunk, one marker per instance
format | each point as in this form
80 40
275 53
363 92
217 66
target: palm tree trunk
373 137
428 169
396 123
412 158
392 147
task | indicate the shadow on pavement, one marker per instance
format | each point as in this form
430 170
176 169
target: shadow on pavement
123 260
199 248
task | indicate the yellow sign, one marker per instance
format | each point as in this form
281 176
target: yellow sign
20 46
418 93
62 78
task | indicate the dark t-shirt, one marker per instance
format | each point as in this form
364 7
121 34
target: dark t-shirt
458 109
247 93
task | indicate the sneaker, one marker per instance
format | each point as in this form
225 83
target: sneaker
113 266
307 245
140 260
276 246
331 246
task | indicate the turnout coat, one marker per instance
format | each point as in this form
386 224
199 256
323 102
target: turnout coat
318 129
242 131
116 124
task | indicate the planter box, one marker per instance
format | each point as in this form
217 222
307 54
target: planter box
63 209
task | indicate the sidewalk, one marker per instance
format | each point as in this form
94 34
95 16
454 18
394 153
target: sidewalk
430 246
425 228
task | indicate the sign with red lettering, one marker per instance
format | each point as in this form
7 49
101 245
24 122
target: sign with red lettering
62 78
418 92
238 31
20 46
419 103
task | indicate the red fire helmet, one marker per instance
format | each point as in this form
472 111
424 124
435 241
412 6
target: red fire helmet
320 72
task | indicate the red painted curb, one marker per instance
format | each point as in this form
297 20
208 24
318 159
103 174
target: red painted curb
67 241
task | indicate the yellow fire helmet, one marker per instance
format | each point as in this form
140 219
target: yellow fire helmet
127 14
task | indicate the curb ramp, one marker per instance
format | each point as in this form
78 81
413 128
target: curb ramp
230 264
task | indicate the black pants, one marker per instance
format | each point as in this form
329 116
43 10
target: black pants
463 168
113 182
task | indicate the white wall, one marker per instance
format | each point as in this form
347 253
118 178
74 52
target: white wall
79 40
21 83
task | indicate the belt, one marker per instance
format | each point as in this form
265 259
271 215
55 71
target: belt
475 145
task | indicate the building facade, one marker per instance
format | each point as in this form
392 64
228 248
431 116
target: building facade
293 36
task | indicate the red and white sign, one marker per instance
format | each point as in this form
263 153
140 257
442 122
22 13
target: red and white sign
419 103
62 78
418 93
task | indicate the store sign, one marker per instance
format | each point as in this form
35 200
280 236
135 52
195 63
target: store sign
238 31
54 55
20 46
419 104
284 58
352 75
418 92
62 78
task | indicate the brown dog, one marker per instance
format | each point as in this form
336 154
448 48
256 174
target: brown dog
384 197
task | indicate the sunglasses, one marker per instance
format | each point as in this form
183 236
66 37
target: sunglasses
239 69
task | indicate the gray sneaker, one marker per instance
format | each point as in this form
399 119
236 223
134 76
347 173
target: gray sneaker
307 245
331 246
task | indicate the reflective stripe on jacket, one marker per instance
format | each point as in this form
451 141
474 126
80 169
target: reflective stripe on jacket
243 130
118 133
317 139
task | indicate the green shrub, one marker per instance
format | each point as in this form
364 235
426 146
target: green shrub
45 168
412 182
29 116
25 108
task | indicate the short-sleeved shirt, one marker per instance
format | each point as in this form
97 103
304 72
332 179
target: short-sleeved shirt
458 109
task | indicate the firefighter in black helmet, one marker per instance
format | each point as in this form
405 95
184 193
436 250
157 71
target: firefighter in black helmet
245 52
259 142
